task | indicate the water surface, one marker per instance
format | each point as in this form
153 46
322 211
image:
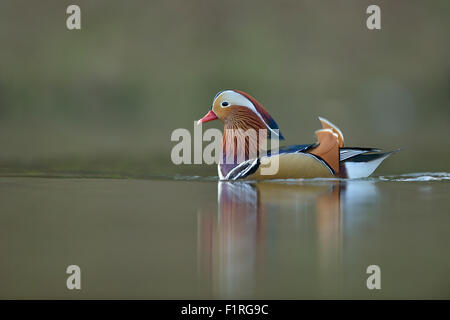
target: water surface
193 237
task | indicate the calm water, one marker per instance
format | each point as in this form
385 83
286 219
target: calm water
198 238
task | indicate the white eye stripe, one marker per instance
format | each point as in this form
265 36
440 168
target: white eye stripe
237 99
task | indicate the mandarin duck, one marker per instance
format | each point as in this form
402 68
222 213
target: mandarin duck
326 158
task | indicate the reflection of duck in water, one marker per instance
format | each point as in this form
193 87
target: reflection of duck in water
248 125
235 243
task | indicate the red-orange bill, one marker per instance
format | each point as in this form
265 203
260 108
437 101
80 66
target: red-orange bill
210 116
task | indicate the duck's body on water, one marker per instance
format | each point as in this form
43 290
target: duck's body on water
327 158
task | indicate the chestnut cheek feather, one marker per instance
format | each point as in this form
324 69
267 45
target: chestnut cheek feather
240 118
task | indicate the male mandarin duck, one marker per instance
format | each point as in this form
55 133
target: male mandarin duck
327 158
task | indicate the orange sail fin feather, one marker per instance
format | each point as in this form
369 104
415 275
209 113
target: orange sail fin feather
328 125
328 148
325 159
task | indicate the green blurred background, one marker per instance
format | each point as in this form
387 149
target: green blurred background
104 100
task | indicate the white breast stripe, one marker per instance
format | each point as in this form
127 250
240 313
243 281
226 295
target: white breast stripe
237 168
244 172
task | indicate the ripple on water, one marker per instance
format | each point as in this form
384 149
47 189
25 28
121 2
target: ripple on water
418 177
407 177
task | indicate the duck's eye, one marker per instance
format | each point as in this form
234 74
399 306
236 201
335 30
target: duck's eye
225 104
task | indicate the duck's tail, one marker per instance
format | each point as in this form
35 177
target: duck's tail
345 162
363 163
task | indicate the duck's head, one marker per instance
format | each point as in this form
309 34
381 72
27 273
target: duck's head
239 110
